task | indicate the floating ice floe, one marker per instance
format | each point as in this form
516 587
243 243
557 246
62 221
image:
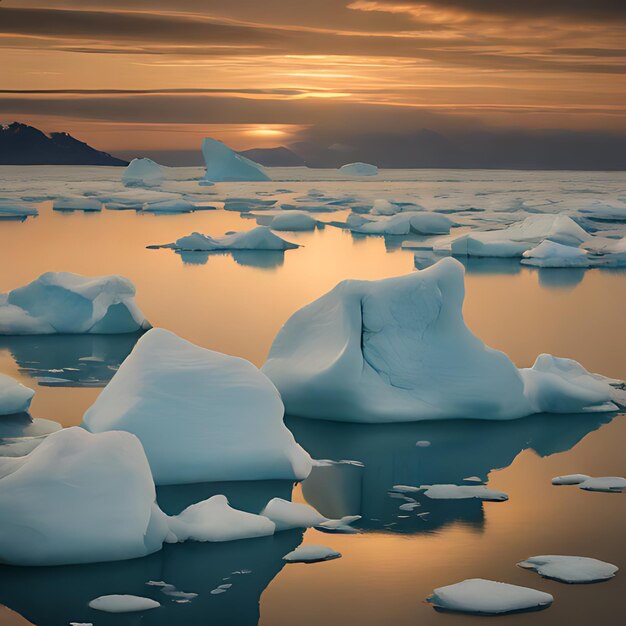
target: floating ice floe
62 302
88 205
79 498
551 254
200 415
613 254
223 164
359 169
384 207
488 597
398 350
118 603
260 238
215 520
287 515
422 223
570 479
311 554
570 569
221 589
15 210
14 397
143 173
293 221
170 206
463 492
516 239
609 484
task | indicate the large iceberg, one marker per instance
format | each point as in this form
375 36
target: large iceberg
62 302
79 498
223 164
259 238
200 415
398 350
143 173
14 397
359 169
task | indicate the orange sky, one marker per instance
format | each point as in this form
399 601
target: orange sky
274 72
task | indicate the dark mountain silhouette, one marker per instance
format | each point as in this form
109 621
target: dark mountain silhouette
21 144
274 157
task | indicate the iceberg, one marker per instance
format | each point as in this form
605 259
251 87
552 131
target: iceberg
223 164
311 554
260 238
463 492
79 498
551 254
62 302
570 569
422 223
215 520
14 397
293 221
488 597
398 350
118 603
143 173
359 169
200 415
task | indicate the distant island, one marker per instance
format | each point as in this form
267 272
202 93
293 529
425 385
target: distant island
21 144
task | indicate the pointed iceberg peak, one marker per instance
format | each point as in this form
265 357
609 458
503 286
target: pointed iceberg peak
223 164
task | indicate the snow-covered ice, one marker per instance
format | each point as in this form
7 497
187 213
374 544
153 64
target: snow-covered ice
287 515
215 520
398 349
311 553
463 492
422 223
223 164
359 169
570 479
488 597
293 221
179 205
14 397
62 302
551 254
611 484
570 569
200 415
143 173
120 603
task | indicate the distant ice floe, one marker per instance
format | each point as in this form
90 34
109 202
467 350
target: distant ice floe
570 569
488 597
143 173
119 603
293 221
14 397
311 554
16 210
609 484
551 254
223 164
423 223
200 415
260 238
359 169
287 515
62 302
78 203
570 479
463 492
170 206
398 350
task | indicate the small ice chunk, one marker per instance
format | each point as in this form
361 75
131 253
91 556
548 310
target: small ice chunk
183 595
488 597
311 554
293 221
552 254
123 604
570 569
77 203
359 169
463 492
473 479
221 589
570 479
170 206
422 444
409 506
406 488
14 397
287 515
613 484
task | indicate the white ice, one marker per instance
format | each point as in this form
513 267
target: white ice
463 492
287 515
551 254
179 205
488 597
14 397
223 164
215 520
78 203
570 569
143 173
62 302
117 603
293 221
423 223
570 479
200 415
359 169
612 484
311 554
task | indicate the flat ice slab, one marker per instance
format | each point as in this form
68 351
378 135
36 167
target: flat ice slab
311 554
123 604
570 569
463 492
14 397
488 597
570 479
613 484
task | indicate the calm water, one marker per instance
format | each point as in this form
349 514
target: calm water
236 305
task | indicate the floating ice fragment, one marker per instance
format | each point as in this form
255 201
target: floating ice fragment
570 479
293 221
570 569
473 479
14 397
406 488
551 254
287 515
170 206
612 484
78 203
487 597
422 444
311 554
463 492
123 604
143 173
409 506
359 169
222 164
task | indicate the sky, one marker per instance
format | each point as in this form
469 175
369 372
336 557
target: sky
403 82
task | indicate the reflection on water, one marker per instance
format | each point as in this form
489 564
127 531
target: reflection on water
70 360
261 259
457 450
